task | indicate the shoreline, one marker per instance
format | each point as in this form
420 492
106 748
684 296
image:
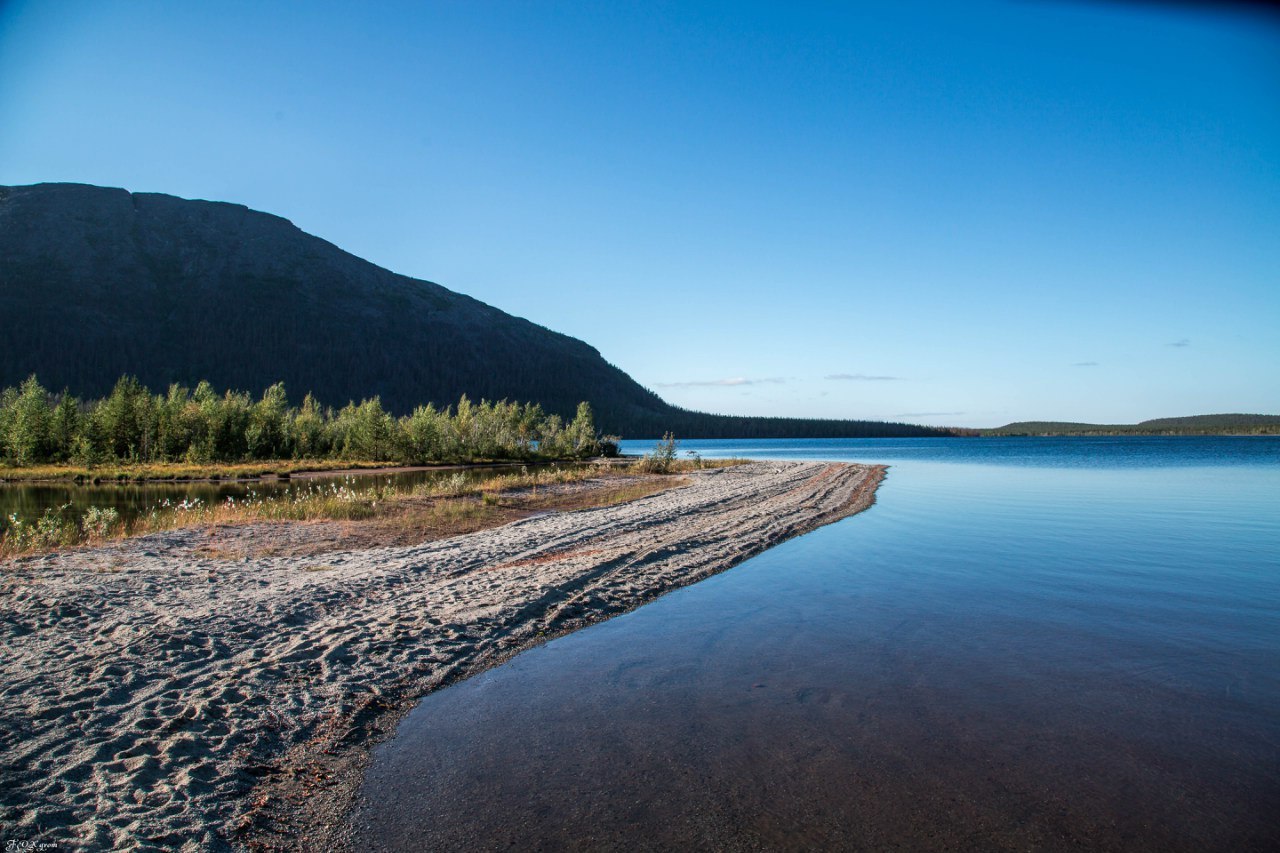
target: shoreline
156 696
77 476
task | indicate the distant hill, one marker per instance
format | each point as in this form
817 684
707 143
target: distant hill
98 282
1229 424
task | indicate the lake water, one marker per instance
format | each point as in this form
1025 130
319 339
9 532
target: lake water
28 501
1025 644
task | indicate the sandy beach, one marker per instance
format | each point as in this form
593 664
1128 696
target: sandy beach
160 694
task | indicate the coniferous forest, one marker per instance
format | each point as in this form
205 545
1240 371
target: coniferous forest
203 425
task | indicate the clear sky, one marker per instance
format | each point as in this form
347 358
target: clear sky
946 213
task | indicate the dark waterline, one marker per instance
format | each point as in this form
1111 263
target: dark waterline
1007 652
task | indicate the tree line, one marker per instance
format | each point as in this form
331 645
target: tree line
691 424
1223 424
201 425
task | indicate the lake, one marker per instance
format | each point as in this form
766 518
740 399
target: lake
132 500
1025 644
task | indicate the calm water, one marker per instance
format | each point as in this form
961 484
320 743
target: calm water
133 500
1026 644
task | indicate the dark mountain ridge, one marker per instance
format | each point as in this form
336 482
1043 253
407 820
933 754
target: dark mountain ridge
96 283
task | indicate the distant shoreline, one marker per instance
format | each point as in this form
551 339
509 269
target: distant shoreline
1131 435
254 472
1224 425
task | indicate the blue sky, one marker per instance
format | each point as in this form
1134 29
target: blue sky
907 211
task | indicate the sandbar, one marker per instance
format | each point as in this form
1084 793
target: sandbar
159 697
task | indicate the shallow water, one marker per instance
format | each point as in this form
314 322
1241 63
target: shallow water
134 500
1026 643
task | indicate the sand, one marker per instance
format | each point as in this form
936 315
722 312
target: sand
158 697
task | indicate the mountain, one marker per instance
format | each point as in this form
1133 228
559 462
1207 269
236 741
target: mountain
97 282
1228 424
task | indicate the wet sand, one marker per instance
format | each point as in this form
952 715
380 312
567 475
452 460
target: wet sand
157 697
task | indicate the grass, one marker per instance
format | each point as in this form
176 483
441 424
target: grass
179 470
387 514
420 518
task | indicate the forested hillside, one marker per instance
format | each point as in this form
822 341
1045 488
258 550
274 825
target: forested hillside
97 283
1228 424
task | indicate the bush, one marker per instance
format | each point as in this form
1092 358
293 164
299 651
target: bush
661 458
51 530
98 521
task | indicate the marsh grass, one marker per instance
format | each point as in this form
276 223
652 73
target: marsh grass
696 463
419 519
58 527
52 529
458 503
623 492
165 471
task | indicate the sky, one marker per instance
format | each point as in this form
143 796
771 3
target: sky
942 213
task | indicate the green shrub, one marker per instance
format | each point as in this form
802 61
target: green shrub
660 459
51 530
99 521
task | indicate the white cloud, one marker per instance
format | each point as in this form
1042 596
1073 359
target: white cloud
861 377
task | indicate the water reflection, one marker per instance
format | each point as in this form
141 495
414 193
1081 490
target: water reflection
994 657
133 500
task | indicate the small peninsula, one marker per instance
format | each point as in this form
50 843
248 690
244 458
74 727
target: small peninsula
209 687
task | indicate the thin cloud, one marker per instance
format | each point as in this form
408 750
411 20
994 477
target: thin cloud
861 377
1181 342
928 414
1085 364
723 383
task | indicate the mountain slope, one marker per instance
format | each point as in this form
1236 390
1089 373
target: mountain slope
98 282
